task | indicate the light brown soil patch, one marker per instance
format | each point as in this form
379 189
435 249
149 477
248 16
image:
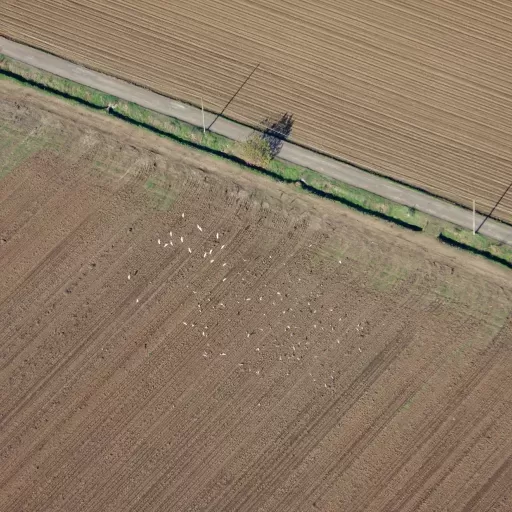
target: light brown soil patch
419 91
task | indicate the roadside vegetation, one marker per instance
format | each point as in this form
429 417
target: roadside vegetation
255 154
256 151
477 244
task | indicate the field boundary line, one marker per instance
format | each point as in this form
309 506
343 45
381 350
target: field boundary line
355 187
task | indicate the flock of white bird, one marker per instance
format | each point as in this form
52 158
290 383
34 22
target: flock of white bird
170 243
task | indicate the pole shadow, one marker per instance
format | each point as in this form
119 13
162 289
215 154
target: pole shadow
489 215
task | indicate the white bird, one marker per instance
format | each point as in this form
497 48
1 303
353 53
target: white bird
165 245
170 234
137 301
223 354
171 243
217 236
223 247
211 261
182 215
189 250
211 250
204 255
200 228
159 241
224 264
129 277
181 238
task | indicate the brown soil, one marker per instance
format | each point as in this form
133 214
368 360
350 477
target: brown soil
415 90
314 360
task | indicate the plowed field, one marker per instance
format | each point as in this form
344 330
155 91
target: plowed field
415 90
177 335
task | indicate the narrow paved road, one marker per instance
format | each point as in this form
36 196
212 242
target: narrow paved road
290 152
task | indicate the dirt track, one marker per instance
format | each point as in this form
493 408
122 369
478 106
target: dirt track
264 376
415 90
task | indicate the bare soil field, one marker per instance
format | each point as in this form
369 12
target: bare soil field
417 91
177 334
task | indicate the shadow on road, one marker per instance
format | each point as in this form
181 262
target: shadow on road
277 130
489 215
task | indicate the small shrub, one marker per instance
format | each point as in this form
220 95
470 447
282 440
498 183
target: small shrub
256 150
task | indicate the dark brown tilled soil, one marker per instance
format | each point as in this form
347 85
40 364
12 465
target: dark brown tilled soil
298 357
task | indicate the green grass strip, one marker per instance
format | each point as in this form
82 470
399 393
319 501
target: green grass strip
477 244
222 147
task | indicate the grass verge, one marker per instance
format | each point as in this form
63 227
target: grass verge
477 244
222 147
